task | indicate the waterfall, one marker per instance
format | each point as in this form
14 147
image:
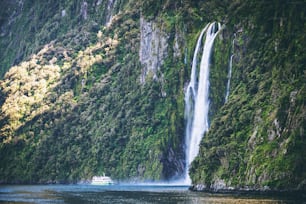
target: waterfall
196 97
229 76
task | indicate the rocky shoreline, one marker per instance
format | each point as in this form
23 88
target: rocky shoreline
299 194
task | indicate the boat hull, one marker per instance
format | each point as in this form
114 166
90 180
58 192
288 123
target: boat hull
102 180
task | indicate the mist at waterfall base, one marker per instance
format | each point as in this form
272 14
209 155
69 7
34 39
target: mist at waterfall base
196 97
17 194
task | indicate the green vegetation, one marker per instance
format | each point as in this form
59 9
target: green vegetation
76 108
255 139
73 105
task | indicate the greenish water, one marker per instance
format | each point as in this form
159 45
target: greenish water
24 194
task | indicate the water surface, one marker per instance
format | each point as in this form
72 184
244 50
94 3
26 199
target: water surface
25 194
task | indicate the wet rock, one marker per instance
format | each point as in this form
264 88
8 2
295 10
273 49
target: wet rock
153 49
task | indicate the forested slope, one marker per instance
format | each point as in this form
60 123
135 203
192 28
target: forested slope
257 139
98 86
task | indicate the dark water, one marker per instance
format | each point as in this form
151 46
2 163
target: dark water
23 194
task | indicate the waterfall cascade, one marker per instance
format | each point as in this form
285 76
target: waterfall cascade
229 76
196 97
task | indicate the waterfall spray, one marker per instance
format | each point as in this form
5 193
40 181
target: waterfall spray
196 98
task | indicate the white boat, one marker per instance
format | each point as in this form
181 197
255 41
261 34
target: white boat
102 180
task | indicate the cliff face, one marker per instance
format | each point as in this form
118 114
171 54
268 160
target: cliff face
93 98
98 86
257 138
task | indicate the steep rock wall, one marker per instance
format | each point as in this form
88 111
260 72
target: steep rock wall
256 140
91 114
152 51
